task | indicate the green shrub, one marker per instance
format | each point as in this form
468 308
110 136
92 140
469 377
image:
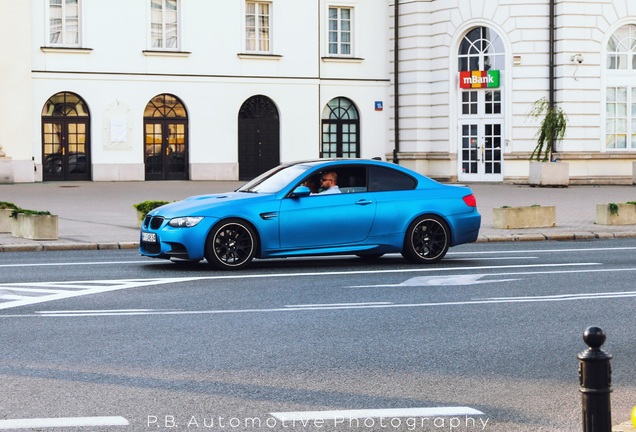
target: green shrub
4 205
16 211
146 206
613 208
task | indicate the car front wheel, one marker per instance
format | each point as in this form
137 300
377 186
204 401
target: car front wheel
427 240
231 245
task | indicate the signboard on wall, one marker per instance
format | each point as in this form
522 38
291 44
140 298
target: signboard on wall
479 79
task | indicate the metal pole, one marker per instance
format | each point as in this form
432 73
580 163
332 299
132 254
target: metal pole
552 66
396 80
595 377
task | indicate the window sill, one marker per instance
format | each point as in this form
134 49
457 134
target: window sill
259 56
69 50
342 59
161 53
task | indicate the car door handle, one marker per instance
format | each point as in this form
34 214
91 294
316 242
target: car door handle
364 202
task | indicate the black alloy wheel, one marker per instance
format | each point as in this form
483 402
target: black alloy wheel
427 240
231 245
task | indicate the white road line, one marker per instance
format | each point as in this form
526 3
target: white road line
516 251
450 254
30 290
82 288
340 415
101 286
73 264
166 312
101 311
337 304
63 422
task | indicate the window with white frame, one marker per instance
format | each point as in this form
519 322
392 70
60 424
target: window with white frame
340 31
620 94
620 120
164 24
258 26
64 22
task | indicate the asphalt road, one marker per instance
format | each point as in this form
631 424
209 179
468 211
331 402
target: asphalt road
485 340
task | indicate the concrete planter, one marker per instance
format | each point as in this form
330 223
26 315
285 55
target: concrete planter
35 227
140 218
549 174
6 222
524 217
626 214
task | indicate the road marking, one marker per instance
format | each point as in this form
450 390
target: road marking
61 290
73 264
576 296
611 249
380 305
69 289
63 422
453 280
340 415
336 304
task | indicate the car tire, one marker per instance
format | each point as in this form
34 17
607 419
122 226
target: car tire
427 240
231 245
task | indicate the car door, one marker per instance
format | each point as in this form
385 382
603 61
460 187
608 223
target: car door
326 220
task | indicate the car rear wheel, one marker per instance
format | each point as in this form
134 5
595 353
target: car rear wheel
427 240
231 245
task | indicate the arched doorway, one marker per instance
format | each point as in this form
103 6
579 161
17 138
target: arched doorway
481 60
166 139
65 138
258 137
340 130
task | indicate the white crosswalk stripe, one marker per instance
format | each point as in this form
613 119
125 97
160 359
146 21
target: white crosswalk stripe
21 294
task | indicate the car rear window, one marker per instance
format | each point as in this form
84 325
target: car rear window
387 179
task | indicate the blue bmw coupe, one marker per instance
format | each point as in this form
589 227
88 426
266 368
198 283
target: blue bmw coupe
365 207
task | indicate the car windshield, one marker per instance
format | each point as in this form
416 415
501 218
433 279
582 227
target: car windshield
274 180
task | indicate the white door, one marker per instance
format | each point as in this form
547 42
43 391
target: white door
480 136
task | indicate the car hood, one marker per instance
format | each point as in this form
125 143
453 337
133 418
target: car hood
208 205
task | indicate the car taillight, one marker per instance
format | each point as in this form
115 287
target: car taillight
470 200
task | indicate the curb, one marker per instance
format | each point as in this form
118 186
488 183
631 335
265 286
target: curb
46 247
562 236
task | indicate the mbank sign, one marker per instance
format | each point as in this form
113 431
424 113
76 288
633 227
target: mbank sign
479 79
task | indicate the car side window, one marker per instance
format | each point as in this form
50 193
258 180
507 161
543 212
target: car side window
352 179
387 179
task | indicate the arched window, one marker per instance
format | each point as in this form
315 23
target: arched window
340 130
621 48
620 94
65 138
481 49
166 139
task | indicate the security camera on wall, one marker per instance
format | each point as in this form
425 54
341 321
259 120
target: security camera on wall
578 58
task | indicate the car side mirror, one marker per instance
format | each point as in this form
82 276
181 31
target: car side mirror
301 191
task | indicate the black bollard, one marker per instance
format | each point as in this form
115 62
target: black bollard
595 376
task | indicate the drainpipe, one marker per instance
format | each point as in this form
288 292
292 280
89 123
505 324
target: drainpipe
396 80
552 45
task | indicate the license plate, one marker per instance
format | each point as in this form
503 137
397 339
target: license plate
148 237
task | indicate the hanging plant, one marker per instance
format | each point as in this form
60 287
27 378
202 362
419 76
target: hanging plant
551 129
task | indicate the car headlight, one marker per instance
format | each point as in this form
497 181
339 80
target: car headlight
185 222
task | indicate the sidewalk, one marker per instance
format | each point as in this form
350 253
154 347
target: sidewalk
100 215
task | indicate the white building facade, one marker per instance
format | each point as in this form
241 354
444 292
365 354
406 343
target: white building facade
189 89
482 132
208 90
